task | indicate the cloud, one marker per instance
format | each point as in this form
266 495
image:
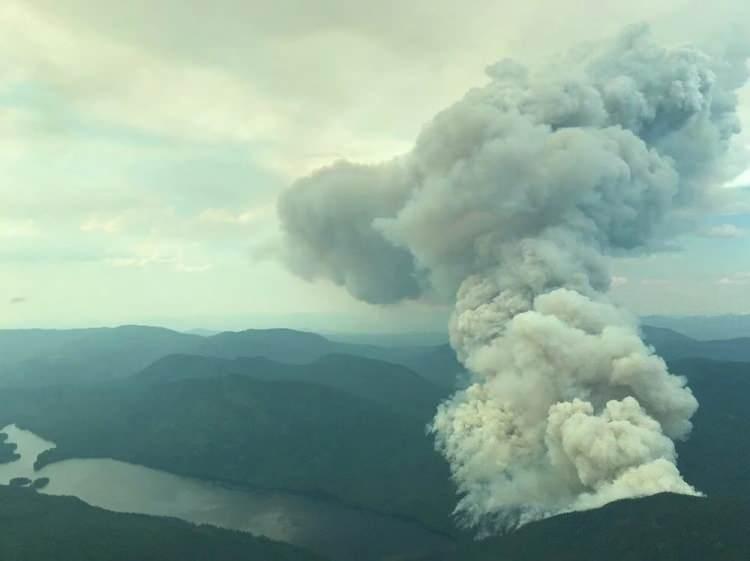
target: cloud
172 97
658 283
728 231
183 268
352 80
152 115
155 253
741 181
106 226
15 229
242 218
618 281
735 279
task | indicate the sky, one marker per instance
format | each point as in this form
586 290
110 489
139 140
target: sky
143 146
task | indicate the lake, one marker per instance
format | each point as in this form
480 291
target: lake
333 530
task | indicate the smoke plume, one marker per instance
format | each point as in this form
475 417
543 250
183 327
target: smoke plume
510 202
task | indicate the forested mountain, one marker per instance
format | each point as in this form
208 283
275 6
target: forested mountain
716 457
391 385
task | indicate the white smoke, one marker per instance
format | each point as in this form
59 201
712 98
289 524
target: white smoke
568 410
510 201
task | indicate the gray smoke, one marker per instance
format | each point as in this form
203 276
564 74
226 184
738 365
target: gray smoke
510 202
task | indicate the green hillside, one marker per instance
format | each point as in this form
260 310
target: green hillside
391 385
716 458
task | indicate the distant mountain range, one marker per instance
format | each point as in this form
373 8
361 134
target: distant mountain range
34 358
48 357
673 345
729 326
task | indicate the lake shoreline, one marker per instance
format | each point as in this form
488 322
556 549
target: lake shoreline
315 521
455 536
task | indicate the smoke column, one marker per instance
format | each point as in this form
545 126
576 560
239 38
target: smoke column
510 202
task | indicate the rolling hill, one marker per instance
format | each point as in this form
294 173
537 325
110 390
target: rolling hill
388 384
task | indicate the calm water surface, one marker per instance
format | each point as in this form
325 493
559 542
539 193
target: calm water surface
333 530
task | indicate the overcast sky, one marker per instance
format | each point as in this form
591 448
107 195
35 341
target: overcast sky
143 145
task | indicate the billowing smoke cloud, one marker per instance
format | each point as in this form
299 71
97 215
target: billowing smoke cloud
510 202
